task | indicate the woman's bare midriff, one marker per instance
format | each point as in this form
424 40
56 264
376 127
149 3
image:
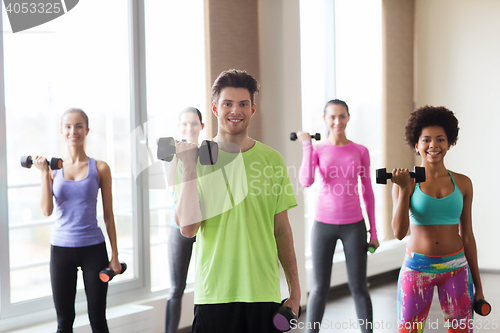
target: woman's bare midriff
435 240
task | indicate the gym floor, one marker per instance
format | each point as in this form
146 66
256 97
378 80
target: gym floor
340 315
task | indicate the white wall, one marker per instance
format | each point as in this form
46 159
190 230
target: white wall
458 66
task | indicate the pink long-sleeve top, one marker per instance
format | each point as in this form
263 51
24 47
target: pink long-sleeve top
339 167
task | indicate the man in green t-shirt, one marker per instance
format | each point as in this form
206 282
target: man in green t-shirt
237 208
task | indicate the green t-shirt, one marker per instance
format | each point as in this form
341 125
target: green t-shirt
236 257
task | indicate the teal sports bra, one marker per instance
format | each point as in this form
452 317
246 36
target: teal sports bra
427 210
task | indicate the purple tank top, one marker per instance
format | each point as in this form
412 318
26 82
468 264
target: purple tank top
76 209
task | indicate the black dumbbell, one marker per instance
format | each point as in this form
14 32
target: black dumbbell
207 152
55 162
283 317
418 174
108 274
293 136
481 307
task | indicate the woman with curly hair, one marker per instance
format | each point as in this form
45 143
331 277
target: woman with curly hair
441 249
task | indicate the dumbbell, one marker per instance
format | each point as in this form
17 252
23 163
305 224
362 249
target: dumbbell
283 317
481 307
207 152
418 174
293 136
370 248
108 274
55 162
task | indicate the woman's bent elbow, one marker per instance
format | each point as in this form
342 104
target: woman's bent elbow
399 237
47 212
305 183
399 234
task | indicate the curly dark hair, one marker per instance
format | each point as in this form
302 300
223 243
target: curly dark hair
431 116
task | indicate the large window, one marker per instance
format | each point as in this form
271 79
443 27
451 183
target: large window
175 65
47 70
99 57
341 57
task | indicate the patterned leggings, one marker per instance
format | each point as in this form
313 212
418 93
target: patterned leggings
418 277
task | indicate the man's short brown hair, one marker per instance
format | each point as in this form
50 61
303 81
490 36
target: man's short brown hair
235 78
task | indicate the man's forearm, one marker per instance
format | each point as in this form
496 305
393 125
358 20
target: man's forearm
288 260
286 255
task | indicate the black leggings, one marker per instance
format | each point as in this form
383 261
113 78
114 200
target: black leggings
324 240
179 255
64 263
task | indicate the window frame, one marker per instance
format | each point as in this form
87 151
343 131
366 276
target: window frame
41 309
330 92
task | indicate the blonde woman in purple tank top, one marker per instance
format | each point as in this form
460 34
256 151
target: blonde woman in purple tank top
77 241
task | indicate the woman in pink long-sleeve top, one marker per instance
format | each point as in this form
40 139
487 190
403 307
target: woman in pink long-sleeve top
338 213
